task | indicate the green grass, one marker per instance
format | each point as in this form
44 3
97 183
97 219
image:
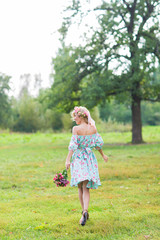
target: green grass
125 207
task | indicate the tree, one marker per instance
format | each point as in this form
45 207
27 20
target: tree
4 100
26 111
118 57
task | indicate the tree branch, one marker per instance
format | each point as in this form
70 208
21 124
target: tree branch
103 9
157 45
120 55
132 12
152 100
124 20
128 7
145 18
115 92
113 10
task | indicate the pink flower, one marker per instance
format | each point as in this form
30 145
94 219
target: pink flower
61 179
76 109
86 114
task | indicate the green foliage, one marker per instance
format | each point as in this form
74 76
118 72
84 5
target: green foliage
69 70
121 113
27 114
30 114
64 173
61 76
51 118
151 113
115 111
95 115
56 120
112 116
112 126
67 122
5 107
125 35
84 74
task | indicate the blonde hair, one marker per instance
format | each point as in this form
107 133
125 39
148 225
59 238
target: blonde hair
82 112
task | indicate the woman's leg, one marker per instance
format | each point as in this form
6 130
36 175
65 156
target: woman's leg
80 192
86 196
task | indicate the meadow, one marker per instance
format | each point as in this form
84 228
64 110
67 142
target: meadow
125 207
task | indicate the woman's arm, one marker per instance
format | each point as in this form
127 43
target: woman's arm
70 153
103 155
68 159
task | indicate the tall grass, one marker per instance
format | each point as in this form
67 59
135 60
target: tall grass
113 126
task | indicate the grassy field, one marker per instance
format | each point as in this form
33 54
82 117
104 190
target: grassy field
126 206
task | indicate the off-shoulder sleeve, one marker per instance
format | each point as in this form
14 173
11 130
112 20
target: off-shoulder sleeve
98 142
73 145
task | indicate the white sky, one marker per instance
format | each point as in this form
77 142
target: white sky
27 38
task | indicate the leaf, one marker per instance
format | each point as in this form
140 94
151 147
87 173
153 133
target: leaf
34 211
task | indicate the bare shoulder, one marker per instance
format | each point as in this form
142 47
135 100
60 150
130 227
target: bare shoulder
78 130
74 130
94 129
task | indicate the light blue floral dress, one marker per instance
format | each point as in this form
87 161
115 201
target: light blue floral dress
84 164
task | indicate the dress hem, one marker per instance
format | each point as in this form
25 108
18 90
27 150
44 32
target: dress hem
91 183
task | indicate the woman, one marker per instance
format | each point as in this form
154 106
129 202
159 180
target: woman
84 167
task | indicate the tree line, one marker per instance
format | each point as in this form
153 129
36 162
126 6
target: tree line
27 113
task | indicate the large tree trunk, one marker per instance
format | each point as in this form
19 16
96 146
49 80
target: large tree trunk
136 120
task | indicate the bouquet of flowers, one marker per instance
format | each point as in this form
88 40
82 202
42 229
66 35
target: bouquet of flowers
61 179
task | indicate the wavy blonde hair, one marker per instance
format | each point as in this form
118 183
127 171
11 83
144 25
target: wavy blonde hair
82 111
